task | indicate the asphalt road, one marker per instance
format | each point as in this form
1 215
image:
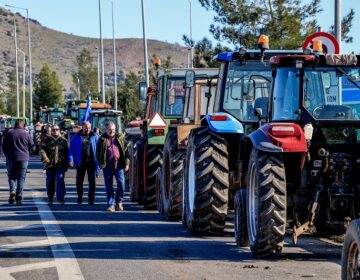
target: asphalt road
73 241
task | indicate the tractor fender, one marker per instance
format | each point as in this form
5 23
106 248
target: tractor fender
279 138
224 123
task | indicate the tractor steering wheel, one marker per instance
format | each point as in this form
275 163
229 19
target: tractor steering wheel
316 111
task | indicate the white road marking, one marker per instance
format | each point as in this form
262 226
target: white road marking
16 207
27 244
66 263
20 228
6 271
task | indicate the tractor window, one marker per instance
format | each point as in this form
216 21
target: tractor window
246 87
174 97
152 106
332 93
207 95
286 94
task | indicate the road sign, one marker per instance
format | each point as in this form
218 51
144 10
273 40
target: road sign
330 44
157 122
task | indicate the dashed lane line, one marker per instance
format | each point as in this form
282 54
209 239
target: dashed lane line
65 260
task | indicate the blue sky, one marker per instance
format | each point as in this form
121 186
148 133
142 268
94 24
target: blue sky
167 20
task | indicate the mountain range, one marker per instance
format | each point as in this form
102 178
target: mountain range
59 50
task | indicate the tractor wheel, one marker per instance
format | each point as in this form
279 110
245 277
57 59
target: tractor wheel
136 173
130 141
171 177
350 265
131 174
266 203
37 141
159 202
206 183
152 161
240 223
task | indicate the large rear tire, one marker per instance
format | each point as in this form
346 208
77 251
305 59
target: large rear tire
206 182
266 203
240 223
152 161
171 177
350 266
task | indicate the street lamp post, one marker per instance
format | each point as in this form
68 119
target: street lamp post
29 51
191 42
145 45
23 84
98 68
17 71
114 47
338 21
102 58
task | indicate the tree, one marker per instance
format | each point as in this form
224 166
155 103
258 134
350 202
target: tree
286 22
204 52
128 100
10 93
86 75
346 25
47 88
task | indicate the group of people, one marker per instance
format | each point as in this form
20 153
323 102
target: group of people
88 152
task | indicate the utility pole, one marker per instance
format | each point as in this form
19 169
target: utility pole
102 58
145 45
337 24
114 51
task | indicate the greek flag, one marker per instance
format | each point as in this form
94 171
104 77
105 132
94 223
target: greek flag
86 116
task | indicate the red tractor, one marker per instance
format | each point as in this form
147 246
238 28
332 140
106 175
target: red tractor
304 165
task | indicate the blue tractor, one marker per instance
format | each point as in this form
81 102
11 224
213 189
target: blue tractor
219 150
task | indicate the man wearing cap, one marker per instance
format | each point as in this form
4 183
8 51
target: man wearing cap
53 152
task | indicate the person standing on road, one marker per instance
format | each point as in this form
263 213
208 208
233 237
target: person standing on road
53 152
82 154
113 158
17 146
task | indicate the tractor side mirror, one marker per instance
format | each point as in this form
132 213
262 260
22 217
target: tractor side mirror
189 78
142 91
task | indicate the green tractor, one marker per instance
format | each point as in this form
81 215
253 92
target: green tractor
164 106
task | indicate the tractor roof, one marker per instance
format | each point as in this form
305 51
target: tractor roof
253 55
316 60
180 72
96 106
107 112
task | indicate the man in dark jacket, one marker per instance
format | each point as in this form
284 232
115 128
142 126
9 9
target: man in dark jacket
113 158
16 146
53 152
82 154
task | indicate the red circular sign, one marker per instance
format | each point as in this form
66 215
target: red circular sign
330 44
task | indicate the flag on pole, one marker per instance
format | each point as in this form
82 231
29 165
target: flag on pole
86 116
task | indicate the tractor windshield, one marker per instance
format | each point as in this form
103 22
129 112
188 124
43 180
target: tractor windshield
332 93
58 115
247 87
175 97
101 122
